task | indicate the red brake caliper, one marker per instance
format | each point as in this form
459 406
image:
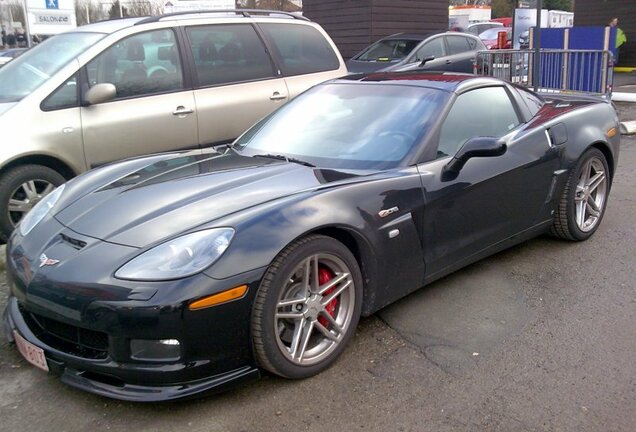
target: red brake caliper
324 276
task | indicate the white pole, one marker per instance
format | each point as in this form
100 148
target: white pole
26 24
121 12
88 15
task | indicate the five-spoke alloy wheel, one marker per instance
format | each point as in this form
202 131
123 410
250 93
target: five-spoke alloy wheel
584 198
307 307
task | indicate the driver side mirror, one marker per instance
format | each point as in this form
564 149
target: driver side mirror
100 93
426 60
474 147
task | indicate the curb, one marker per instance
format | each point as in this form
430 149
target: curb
623 97
628 127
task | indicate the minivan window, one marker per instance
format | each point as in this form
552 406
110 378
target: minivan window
26 73
228 53
139 65
302 49
65 96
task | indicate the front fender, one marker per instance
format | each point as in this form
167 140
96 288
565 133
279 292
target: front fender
396 263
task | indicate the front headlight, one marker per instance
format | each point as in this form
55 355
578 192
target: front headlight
179 257
40 210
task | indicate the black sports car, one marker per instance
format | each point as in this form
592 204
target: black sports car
169 275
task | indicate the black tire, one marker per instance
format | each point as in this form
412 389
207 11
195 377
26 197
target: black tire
565 224
11 180
268 330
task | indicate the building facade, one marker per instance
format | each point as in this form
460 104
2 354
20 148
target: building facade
354 24
600 12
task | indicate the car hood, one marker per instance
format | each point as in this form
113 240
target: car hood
149 202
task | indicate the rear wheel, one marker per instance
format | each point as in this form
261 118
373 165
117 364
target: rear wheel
584 198
307 307
21 188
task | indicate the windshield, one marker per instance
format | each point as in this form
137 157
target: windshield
347 126
493 32
30 70
386 50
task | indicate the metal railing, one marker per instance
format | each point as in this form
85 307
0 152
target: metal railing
561 71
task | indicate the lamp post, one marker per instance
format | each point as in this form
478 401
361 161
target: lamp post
536 64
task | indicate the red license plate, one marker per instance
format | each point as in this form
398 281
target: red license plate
30 352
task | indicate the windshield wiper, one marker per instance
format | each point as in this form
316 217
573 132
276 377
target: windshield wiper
285 158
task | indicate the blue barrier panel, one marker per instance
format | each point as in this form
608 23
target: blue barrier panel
552 65
584 70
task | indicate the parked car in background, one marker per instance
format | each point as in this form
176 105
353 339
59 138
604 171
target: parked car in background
446 51
480 27
122 88
490 37
7 55
165 276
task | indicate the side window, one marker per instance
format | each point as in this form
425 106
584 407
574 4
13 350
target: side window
533 102
482 112
472 44
432 48
139 65
302 48
228 53
457 44
65 96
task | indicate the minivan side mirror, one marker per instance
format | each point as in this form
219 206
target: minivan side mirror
101 93
426 60
474 147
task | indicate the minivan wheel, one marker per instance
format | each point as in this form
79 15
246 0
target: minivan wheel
21 188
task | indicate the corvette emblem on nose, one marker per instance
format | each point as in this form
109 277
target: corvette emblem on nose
46 261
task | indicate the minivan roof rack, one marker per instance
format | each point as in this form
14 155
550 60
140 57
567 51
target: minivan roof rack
243 12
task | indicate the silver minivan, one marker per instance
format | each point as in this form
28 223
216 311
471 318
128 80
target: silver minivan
122 88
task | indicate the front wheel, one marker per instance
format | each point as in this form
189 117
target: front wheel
584 198
21 188
307 307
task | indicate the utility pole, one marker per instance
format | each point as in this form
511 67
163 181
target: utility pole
536 64
27 31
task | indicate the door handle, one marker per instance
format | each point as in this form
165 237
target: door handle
181 110
277 96
448 61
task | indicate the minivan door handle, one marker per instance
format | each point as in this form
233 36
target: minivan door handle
277 96
181 111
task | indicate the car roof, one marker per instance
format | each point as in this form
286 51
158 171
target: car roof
109 26
422 36
446 81
113 25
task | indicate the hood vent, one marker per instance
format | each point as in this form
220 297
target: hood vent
76 243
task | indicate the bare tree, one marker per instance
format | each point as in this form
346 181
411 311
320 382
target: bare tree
15 7
88 11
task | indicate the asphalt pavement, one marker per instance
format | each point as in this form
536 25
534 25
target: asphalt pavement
537 338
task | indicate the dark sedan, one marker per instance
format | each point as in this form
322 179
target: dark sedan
450 51
169 275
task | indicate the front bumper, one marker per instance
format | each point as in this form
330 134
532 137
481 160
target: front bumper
105 379
123 381
84 320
